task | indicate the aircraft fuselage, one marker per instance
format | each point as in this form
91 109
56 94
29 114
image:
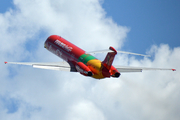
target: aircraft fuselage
84 63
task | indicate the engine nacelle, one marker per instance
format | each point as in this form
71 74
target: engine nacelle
114 72
83 69
117 74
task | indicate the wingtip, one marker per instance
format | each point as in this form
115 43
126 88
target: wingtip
5 62
173 69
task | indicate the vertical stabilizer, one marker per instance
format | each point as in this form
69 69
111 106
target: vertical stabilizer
109 58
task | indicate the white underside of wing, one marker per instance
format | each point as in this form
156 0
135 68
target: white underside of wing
138 69
61 66
52 67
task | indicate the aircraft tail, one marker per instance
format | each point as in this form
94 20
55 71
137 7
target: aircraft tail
109 58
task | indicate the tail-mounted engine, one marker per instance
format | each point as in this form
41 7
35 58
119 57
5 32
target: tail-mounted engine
83 69
114 72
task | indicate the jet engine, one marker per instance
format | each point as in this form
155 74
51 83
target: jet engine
83 69
114 72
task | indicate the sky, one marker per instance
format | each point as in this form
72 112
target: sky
147 27
151 22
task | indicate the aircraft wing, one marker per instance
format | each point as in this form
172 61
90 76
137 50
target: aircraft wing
61 66
122 69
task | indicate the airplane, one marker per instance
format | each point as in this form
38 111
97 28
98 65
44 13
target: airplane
77 60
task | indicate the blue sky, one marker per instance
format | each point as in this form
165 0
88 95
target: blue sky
151 22
5 5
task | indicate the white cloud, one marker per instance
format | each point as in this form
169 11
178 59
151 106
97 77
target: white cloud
43 94
85 110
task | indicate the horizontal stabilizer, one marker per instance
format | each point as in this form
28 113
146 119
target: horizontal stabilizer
105 51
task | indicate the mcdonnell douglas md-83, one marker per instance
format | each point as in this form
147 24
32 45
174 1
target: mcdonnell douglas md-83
77 60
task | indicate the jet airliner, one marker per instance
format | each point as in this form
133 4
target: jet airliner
77 60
